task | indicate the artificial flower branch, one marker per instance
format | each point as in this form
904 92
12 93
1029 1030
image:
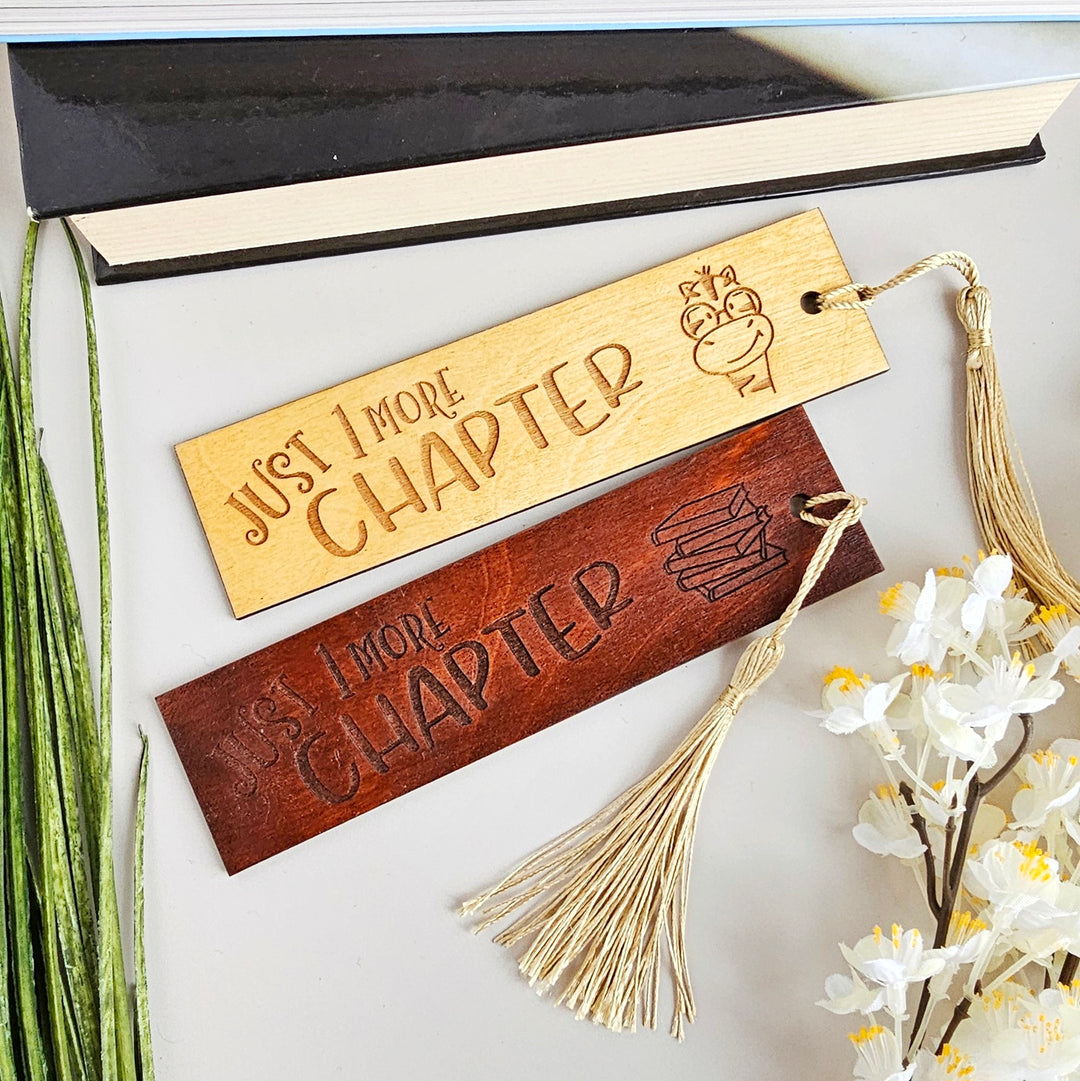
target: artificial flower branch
996 993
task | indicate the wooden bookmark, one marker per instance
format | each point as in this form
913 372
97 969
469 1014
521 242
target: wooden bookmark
385 697
428 448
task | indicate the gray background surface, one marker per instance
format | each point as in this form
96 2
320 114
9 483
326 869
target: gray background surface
343 957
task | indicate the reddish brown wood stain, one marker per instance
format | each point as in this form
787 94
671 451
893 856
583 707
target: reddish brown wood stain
387 696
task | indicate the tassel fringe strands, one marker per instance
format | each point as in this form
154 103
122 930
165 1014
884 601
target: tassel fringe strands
605 899
1004 503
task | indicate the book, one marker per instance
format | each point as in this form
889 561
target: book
716 509
750 569
33 20
718 536
176 156
749 542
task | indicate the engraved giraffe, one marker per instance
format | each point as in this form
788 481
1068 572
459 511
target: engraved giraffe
731 334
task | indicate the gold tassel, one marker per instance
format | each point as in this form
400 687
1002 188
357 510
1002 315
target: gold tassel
1005 506
606 897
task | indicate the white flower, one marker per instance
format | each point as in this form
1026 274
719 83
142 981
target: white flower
924 630
848 994
950 728
885 826
1050 794
966 938
1064 636
913 703
877 1056
985 603
944 802
991 1033
1047 926
1064 1000
1012 875
856 703
893 961
1050 1054
951 1065
966 941
1011 687
1012 1036
1014 627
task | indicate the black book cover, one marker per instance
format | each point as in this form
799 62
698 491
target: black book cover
112 124
107 124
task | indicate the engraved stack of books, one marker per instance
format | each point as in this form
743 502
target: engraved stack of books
720 543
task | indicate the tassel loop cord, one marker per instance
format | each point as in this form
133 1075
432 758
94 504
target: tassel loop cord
861 296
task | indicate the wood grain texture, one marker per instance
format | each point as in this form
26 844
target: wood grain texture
396 692
425 449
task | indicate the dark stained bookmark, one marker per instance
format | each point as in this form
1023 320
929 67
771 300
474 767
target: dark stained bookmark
402 689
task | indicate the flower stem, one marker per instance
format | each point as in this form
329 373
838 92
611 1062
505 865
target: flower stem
1068 969
1018 753
919 823
962 1009
975 794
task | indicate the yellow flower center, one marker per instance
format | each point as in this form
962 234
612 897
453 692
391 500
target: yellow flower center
1045 1030
865 1035
890 597
1044 615
962 927
956 1063
847 679
1034 865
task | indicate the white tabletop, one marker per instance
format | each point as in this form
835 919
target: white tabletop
343 957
